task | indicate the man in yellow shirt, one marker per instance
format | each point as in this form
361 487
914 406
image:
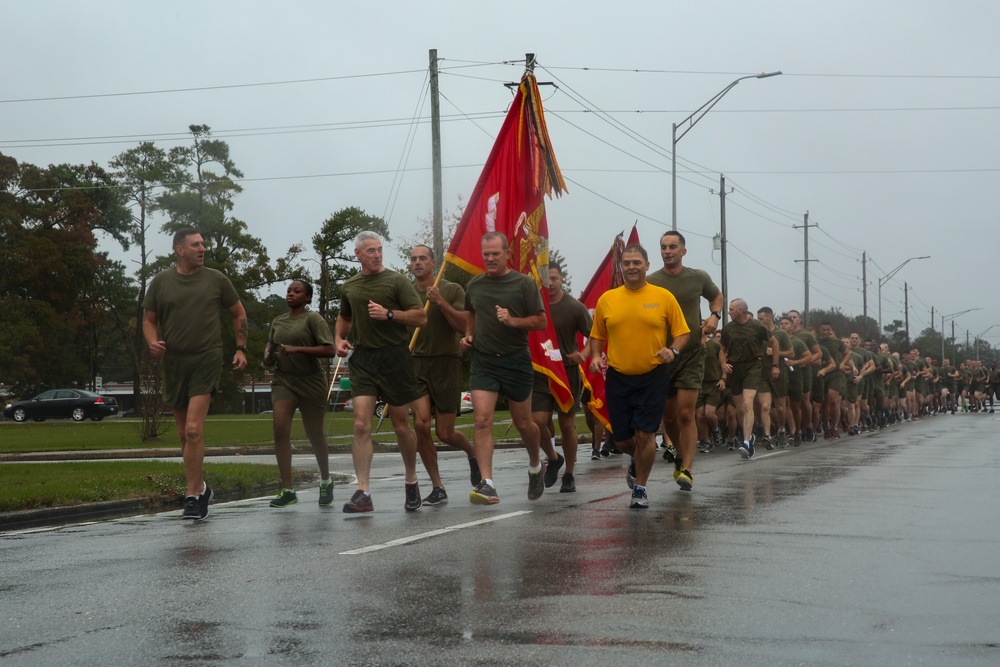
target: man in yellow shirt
638 330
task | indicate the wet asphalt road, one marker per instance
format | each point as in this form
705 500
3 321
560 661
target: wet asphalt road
881 549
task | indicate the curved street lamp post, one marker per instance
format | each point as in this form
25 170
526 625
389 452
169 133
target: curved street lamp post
692 120
883 280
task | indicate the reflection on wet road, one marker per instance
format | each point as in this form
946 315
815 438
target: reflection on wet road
879 549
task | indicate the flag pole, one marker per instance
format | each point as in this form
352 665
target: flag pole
427 305
335 371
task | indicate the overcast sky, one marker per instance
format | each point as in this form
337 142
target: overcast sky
884 125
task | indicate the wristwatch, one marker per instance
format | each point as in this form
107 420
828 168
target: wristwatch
676 353
718 314
241 348
389 315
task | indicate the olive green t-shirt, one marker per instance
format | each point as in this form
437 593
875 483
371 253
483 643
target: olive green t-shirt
809 339
745 342
514 291
799 349
387 288
836 348
713 367
784 340
438 338
306 330
688 287
569 318
188 308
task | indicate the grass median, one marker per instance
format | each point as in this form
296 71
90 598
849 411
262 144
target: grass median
55 484
42 485
220 431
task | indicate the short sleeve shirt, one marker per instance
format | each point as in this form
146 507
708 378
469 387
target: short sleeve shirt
836 348
516 292
569 318
188 308
389 289
438 338
689 287
306 330
745 342
636 325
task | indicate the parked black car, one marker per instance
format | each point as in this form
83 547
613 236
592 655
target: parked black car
76 404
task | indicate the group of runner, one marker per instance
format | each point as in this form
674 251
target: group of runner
761 381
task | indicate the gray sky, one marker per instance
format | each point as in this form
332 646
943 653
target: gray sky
883 126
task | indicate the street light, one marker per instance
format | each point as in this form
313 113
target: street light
692 120
882 281
980 335
951 317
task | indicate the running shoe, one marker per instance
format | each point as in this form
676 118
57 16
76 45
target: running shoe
536 485
732 445
704 446
630 475
326 494
285 498
474 475
568 483
437 496
595 455
684 479
413 502
191 509
746 449
360 502
670 454
203 500
639 499
552 470
767 442
484 494
797 439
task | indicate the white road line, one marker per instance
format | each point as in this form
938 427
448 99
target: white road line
434 533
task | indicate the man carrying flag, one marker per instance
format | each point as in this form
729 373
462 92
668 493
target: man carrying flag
569 318
502 232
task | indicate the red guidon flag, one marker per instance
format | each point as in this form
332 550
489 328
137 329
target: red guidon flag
509 198
608 276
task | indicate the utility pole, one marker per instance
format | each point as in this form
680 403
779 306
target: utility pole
864 286
932 321
805 228
438 223
722 245
906 310
953 359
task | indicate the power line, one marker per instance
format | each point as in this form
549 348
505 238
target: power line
800 74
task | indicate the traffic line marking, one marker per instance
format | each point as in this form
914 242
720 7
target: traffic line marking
433 533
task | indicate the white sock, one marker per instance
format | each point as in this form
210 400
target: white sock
534 469
489 482
324 481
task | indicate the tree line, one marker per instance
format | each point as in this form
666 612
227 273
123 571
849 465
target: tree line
71 313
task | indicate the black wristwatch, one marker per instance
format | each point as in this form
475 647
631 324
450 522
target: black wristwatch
389 315
241 348
718 314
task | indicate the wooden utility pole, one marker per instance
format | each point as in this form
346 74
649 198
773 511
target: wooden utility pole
805 260
438 223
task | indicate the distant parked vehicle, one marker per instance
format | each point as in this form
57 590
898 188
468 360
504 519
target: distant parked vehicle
75 404
465 406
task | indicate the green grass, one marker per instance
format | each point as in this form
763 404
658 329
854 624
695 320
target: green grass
220 431
38 485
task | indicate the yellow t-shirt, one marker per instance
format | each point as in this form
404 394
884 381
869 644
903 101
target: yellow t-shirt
636 324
